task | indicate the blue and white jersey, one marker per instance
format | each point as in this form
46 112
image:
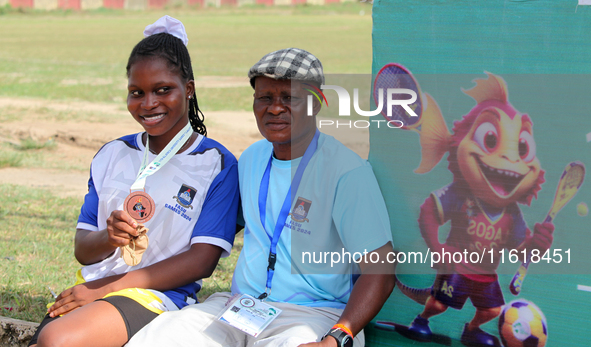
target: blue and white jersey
196 197
337 208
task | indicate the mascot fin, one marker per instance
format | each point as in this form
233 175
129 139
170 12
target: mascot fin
491 88
435 136
418 295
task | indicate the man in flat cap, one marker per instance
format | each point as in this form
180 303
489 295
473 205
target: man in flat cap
303 193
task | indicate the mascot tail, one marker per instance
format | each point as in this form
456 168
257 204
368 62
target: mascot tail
434 136
419 295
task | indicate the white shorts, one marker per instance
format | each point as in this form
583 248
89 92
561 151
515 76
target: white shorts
197 325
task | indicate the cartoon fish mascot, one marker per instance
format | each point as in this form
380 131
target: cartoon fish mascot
492 155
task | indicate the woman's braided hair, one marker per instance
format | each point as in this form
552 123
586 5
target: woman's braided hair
173 50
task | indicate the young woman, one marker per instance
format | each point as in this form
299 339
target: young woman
180 185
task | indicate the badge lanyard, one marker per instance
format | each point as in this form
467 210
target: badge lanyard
139 205
167 153
284 212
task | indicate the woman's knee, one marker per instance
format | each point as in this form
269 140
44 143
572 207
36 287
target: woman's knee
51 336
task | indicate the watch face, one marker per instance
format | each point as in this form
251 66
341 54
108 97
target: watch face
347 341
343 339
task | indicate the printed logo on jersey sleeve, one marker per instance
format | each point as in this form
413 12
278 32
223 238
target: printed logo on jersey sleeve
185 196
302 207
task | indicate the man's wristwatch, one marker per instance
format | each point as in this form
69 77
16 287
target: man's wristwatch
342 337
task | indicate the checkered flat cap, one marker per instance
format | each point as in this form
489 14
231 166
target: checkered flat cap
288 63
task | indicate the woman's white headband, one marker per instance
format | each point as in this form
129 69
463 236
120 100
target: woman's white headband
168 25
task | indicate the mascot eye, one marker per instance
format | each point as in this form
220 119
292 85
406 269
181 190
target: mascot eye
527 146
486 136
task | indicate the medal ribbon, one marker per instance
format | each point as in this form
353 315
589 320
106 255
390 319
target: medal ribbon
167 153
284 212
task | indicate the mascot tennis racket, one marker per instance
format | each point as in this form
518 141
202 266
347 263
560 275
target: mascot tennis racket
392 76
568 186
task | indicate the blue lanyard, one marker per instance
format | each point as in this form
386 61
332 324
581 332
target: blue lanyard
284 212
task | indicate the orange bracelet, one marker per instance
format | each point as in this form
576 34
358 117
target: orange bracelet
343 328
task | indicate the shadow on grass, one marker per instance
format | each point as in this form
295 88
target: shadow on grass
22 305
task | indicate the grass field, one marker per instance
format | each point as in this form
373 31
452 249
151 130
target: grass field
83 56
73 56
37 251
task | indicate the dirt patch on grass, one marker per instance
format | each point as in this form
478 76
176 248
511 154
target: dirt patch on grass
64 169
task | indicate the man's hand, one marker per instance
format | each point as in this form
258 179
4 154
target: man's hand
121 228
327 342
369 293
75 297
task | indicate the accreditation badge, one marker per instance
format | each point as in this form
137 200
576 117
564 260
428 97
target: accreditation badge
248 314
140 206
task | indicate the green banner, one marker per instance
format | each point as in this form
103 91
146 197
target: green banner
490 170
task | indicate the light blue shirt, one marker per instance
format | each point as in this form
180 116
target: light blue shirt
343 213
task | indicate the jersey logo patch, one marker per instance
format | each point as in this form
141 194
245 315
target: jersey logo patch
301 210
185 196
470 208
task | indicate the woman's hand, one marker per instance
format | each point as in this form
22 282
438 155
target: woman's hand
121 228
77 296
94 246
